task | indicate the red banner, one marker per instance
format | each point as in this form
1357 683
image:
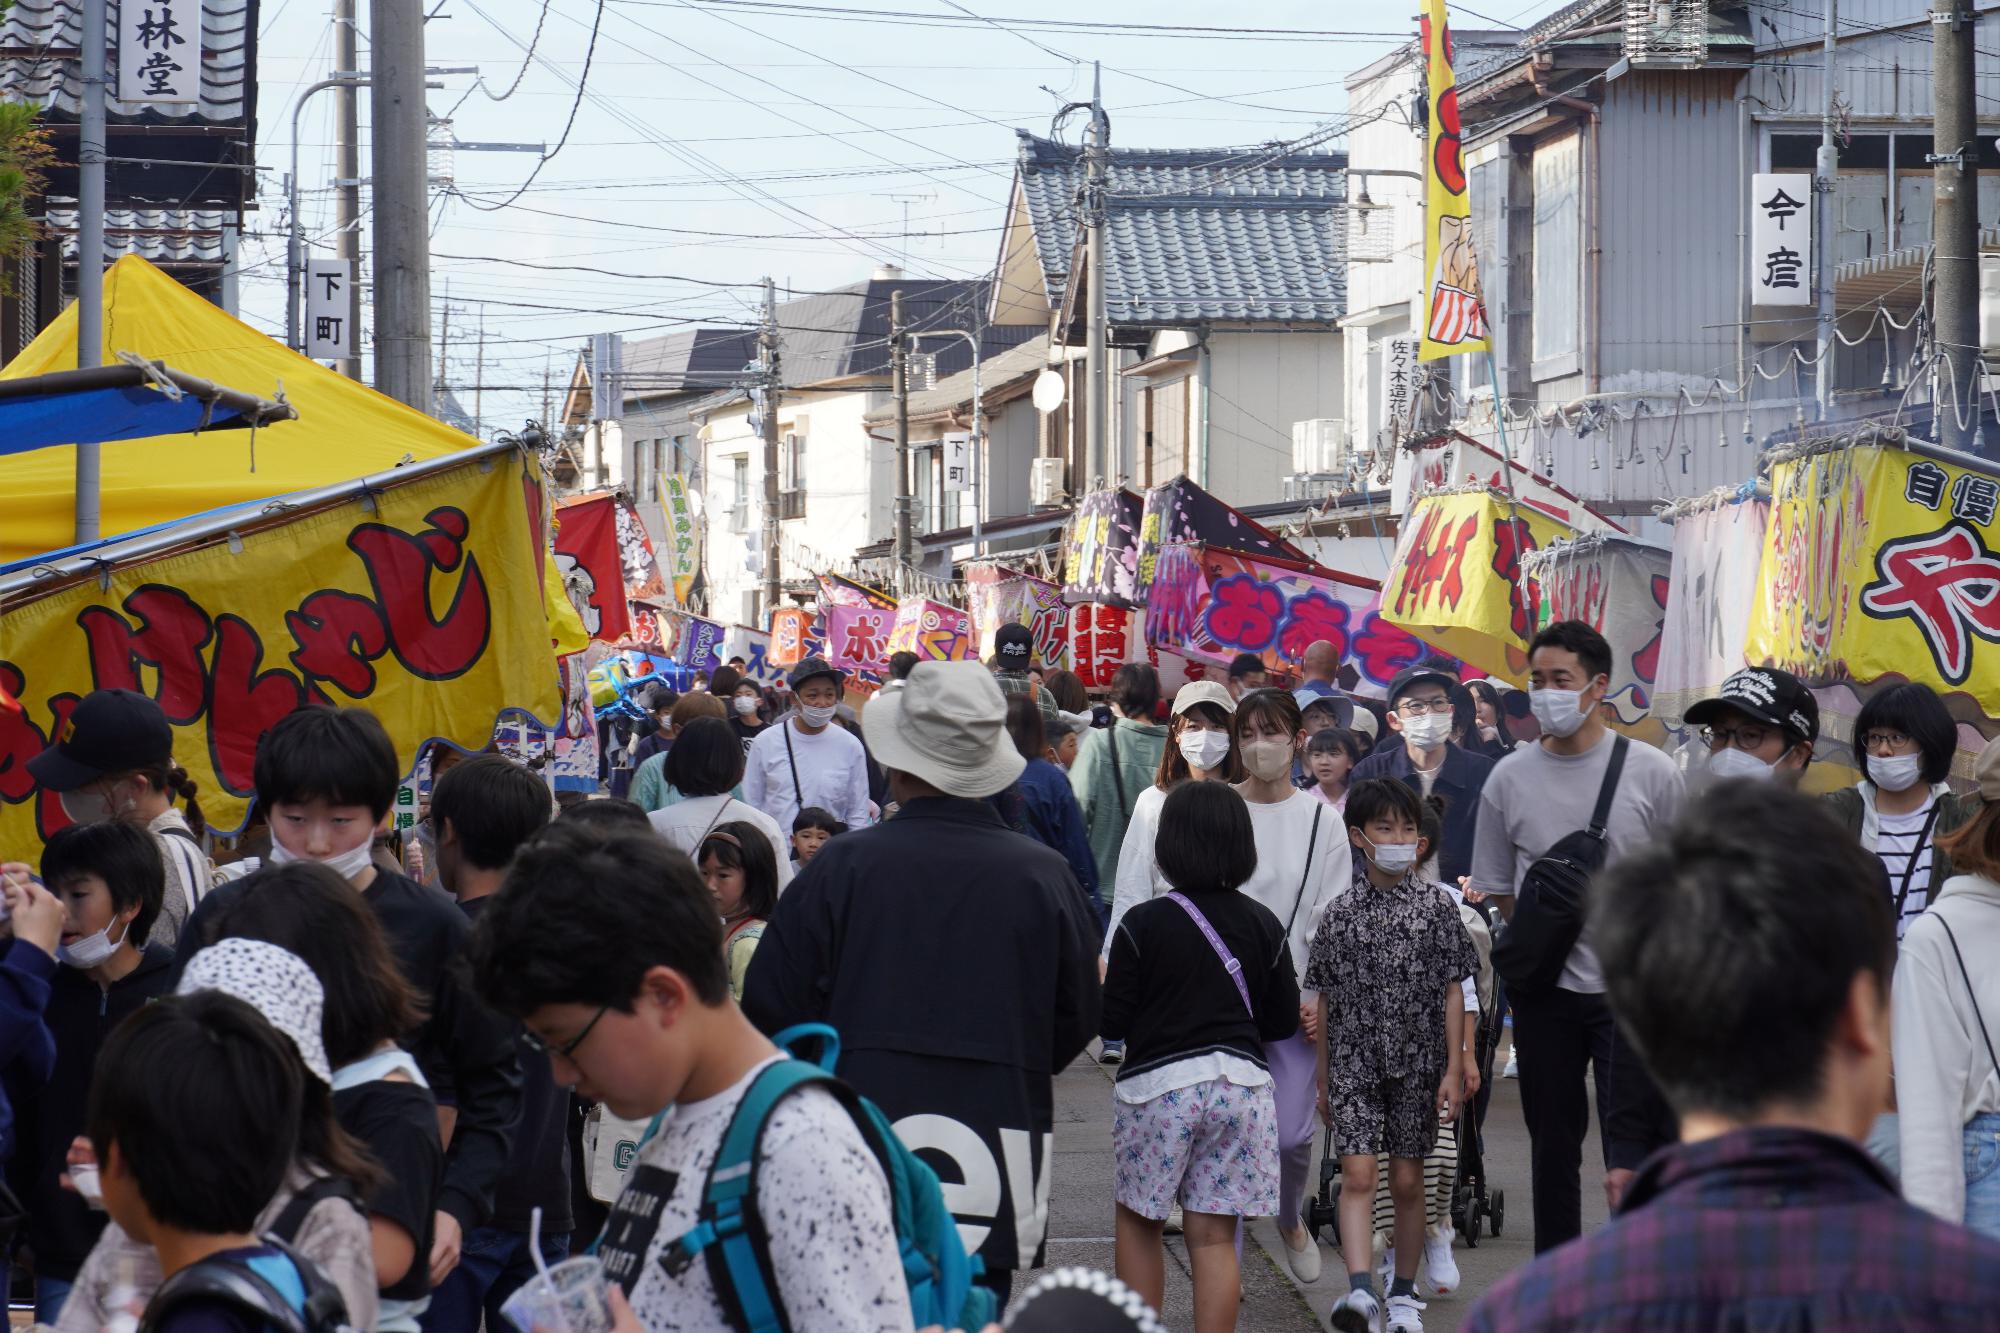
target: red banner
593 567
1098 638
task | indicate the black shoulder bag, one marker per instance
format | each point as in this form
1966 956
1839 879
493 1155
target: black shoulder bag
1529 951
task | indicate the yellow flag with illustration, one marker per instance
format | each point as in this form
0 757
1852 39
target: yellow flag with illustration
421 602
1454 316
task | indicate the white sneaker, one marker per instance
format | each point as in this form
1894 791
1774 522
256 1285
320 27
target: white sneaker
1305 1262
1385 1272
1405 1315
1363 1313
1440 1267
1513 1069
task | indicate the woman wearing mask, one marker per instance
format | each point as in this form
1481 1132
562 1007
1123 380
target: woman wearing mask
1303 863
1905 740
1114 766
746 713
1201 749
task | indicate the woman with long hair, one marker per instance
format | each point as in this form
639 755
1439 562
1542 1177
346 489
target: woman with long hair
1488 735
1302 864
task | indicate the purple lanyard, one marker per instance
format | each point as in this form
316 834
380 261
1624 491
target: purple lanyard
1229 963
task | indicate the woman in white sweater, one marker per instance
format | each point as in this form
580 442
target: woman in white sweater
1944 1013
1302 864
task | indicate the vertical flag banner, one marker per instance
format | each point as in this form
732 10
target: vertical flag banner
1454 320
683 537
592 565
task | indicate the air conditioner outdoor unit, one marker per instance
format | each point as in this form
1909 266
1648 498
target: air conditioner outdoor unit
1303 487
1045 482
1319 445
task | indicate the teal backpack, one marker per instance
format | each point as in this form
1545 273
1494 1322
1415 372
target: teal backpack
730 1234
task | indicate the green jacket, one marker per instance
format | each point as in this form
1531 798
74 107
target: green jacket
1955 811
1099 786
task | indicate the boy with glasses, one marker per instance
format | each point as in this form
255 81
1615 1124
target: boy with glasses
1421 710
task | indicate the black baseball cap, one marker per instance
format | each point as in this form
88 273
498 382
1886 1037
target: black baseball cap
1014 644
1412 676
812 669
1773 697
109 731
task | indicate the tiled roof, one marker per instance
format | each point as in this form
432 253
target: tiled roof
1229 235
162 235
40 37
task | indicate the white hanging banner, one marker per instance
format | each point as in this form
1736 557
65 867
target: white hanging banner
1399 386
956 447
159 51
329 335
1781 264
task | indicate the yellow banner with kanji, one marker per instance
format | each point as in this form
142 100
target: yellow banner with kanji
1454 316
1881 562
422 602
1456 582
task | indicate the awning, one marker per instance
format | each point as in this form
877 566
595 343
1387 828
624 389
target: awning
133 401
1894 279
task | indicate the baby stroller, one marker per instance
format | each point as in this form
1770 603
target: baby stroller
1472 1203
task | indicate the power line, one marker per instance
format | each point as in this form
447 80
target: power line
590 53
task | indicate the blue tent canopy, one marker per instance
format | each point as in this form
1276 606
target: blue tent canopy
132 401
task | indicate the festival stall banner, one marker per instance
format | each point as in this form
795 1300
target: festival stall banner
1876 563
1456 580
572 746
1208 606
1003 596
425 607
1180 512
683 535
1710 593
1099 638
857 637
593 566
790 625
1620 589
753 646
700 641
645 585
839 590
1101 553
933 631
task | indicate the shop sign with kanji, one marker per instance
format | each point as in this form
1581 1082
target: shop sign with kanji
159 52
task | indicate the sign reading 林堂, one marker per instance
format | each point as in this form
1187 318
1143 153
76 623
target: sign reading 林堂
159 52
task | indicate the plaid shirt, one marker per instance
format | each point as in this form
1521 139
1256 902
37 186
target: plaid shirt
1760 1228
1017 682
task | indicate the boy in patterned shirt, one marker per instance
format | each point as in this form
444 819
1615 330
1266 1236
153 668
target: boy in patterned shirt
1388 962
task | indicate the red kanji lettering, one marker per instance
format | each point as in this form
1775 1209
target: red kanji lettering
1512 539
173 631
248 702
1435 564
865 639
399 567
1949 584
20 740
339 634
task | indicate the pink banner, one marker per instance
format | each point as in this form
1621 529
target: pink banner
857 637
933 631
1001 596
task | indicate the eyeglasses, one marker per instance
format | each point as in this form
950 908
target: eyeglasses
1418 707
568 1049
1746 738
1884 740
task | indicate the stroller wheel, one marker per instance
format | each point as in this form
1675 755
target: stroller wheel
1475 1213
1498 1209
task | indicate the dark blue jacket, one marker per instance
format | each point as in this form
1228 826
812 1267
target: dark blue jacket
1459 783
1056 821
27 1051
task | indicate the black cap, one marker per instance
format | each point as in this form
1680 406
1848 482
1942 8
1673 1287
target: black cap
1410 677
1014 644
1247 664
812 669
1773 697
110 731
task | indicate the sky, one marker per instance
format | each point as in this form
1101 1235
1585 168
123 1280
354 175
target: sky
715 142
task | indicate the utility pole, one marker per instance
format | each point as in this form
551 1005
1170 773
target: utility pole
400 134
767 371
1955 224
1097 162
90 250
1827 168
479 381
444 341
899 376
347 174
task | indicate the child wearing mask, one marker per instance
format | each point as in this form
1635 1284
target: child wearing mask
1388 962
811 831
737 865
747 715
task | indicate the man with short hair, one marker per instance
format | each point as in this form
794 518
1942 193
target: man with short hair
807 759
1246 673
901 664
1534 798
956 959
1429 760
1761 726
1763 1010
1014 651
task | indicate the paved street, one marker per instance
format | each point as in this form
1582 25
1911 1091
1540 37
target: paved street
1081 1217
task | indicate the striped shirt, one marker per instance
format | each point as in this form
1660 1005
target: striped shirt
1902 841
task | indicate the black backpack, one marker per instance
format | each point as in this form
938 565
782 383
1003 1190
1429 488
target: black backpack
223 1282
1529 951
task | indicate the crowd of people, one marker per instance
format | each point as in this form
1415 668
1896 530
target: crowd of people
338 1082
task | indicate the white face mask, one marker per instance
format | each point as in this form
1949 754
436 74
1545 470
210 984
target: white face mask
1428 731
1559 711
348 865
817 717
1898 772
1734 763
85 807
745 706
1391 858
91 950
1267 761
1205 750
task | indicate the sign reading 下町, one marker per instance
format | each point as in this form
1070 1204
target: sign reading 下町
329 332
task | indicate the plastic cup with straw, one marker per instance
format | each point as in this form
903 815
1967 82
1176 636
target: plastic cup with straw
571 1297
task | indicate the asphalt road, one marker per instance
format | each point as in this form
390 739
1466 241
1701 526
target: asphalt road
1081 1213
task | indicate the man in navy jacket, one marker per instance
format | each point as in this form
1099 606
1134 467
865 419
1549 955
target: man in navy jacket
1421 710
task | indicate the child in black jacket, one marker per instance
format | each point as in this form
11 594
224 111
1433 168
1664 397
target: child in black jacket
1199 980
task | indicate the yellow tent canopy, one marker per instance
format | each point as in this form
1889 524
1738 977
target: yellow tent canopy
344 430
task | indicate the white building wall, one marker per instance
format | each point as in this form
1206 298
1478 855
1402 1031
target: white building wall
1259 383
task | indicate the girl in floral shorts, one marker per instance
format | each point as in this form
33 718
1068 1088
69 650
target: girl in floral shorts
1199 980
